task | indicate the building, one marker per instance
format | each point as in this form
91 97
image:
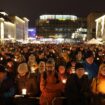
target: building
91 33
100 27
21 28
13 28
7 28
26 28
59 26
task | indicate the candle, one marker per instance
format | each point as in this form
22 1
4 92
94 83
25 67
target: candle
1 58
32 69
64 81
86 73
15 59
24 91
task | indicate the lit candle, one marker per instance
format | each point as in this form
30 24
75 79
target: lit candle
1 58
64 81
73 71
24 91
15 59
86 73
32 69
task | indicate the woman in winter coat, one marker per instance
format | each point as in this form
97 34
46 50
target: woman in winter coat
98 87
50 86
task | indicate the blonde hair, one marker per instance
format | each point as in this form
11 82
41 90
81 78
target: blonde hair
100 68
22 68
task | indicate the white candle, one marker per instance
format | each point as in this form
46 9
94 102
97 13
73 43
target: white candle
86 73
1 58
24 91
64 81
15 59
32 69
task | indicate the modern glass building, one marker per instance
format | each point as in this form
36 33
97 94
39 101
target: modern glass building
59 26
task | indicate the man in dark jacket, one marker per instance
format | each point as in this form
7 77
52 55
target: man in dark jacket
90 66
6 88
77 89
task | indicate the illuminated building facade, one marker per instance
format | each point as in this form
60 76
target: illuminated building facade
91 24
9 31
1 30
7 28
13 28
100 27
26 28
59 26
21 28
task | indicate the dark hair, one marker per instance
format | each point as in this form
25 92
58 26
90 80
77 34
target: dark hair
50 61
78 65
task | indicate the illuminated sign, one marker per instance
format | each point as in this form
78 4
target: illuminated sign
31 32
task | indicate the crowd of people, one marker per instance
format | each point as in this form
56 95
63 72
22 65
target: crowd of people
48 71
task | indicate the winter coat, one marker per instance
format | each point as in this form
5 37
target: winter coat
92 69
7 92
27 82
50 88
77 90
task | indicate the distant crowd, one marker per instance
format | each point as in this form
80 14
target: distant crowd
73 74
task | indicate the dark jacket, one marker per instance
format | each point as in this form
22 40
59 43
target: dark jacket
92 69
77 90
7 92
28 83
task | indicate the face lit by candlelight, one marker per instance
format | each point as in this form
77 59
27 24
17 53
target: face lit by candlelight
103 71
61 69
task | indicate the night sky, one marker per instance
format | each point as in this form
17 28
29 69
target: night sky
33 8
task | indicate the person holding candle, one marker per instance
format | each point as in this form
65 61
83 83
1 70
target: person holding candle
90 65
50 85
25 81
32 64
98 87
77 89
62 73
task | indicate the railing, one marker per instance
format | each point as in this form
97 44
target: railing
38 98
53 101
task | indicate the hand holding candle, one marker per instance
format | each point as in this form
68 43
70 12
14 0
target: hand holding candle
24 91
64 80
86 73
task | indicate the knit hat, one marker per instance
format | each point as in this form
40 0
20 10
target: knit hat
22 68
78 66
